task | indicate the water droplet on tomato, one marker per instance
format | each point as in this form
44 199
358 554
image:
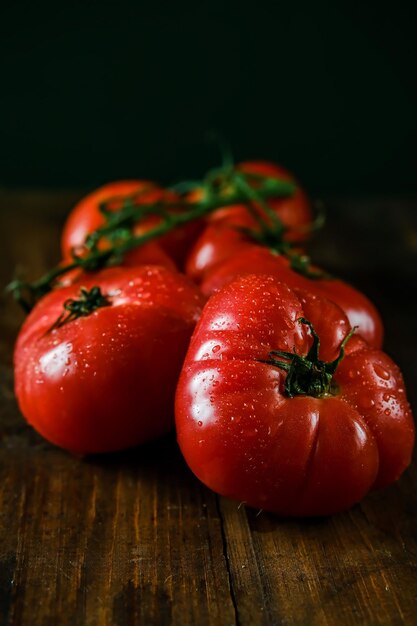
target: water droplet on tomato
367 403
200 423
381 372
387 412
215 348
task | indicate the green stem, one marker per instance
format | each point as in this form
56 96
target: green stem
255 197
87 303
173 214
308 375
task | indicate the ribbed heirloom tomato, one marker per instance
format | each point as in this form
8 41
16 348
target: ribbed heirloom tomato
358 308
96 366
280 407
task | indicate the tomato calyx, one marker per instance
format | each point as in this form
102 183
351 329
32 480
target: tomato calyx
88 302
308 375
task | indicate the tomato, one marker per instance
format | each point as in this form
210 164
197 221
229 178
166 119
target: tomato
87 217
222 238
268 415
358 308
106 380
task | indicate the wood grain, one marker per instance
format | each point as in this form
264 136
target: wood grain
134 539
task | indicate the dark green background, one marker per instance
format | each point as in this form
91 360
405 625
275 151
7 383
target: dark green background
93 91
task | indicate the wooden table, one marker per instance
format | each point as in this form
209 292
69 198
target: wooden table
134 538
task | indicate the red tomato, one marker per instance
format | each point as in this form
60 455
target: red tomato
359 310
222 238
106 380
307 441
87 217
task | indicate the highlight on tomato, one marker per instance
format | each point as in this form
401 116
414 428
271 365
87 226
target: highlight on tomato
96 365
280 405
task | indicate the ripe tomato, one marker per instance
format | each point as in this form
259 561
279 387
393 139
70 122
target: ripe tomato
87 217
222 238
106 380
267 416
356 306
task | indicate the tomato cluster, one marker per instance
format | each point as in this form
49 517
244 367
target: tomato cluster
202 297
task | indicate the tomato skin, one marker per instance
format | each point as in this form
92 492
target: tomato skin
86 217
302 456
221 239
358 308
106 381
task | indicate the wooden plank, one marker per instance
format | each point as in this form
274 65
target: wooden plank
356 567
128 539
